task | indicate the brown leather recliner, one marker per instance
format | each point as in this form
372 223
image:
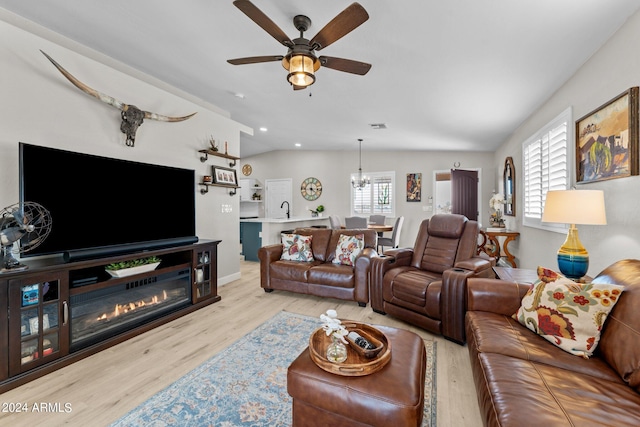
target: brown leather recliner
426 285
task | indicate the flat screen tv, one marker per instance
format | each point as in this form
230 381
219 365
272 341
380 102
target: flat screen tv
103 206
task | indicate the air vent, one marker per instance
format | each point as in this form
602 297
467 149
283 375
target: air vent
378 126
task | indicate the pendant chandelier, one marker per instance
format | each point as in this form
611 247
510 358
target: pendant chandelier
362 180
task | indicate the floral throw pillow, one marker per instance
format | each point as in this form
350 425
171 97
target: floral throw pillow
296 248
348 249
568 314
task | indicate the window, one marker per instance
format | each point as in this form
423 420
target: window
545 167
375 198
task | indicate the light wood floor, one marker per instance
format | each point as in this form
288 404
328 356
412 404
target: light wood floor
105 386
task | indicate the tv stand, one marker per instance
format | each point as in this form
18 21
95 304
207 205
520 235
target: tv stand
60 312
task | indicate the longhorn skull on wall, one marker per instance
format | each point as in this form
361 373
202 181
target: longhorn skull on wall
132 116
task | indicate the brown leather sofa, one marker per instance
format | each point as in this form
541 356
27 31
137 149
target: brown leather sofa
522 379
426 285
320 277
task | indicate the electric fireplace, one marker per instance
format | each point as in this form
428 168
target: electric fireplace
102 313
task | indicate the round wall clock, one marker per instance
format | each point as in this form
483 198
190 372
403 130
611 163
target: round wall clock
247 169
311 188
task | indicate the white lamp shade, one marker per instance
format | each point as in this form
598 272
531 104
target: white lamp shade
575 207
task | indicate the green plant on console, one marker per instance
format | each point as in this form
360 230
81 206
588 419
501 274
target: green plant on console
132 263
320 208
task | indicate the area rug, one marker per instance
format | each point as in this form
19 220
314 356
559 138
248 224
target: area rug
246 384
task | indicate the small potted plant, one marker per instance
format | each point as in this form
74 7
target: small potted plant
134 266
319 210
212 142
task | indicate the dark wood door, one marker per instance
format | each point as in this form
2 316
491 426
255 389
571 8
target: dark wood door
464 193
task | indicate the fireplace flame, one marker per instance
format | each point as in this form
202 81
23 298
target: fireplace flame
127 307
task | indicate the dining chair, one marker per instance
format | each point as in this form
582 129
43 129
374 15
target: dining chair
334 220
355 222
377 219
394 240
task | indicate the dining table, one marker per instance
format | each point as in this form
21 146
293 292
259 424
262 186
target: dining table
379 228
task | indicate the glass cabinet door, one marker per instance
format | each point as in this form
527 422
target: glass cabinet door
202 273
38 329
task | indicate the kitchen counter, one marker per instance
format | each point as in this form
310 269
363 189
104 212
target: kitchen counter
258 232
284 220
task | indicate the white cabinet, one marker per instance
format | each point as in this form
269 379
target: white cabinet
250 206
250 190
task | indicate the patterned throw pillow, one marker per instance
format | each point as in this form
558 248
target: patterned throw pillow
568 314
348 249
296 248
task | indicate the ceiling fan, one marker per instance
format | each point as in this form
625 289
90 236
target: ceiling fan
301 60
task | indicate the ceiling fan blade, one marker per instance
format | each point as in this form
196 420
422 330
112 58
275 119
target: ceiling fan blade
254 59
346 65
257 16
345 22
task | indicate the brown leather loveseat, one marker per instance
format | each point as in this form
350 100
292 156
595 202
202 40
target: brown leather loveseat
426 285
524 380
320 277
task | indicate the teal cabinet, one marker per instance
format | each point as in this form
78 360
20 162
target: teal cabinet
251 241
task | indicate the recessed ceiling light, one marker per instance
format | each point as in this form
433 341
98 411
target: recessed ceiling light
263 129
298 144
239 95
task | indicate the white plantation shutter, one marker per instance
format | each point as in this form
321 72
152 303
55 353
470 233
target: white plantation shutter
545 167
375 198
361 199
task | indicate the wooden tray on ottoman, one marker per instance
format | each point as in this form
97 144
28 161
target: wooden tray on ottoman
357 363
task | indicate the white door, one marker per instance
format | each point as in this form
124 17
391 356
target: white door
278 191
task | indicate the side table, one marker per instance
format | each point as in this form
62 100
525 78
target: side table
493 249
518 275
526 276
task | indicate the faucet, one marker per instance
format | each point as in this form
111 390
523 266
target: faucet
282 205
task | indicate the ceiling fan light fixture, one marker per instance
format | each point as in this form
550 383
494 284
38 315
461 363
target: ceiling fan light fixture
301 70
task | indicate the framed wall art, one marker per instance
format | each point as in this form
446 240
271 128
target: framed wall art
509 186
224 176
414 187
607 140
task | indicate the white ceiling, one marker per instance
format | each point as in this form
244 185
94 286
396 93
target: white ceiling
446 75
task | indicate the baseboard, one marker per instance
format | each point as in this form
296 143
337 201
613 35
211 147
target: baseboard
228 279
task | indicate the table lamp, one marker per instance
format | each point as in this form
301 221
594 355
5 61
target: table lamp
574 207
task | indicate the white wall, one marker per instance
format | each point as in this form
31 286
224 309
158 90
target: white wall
334 170
609 72
39 106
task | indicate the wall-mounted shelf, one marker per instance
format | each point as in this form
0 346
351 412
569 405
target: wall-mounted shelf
206 186
207 153
247 197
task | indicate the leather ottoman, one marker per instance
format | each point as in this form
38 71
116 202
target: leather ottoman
393 396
